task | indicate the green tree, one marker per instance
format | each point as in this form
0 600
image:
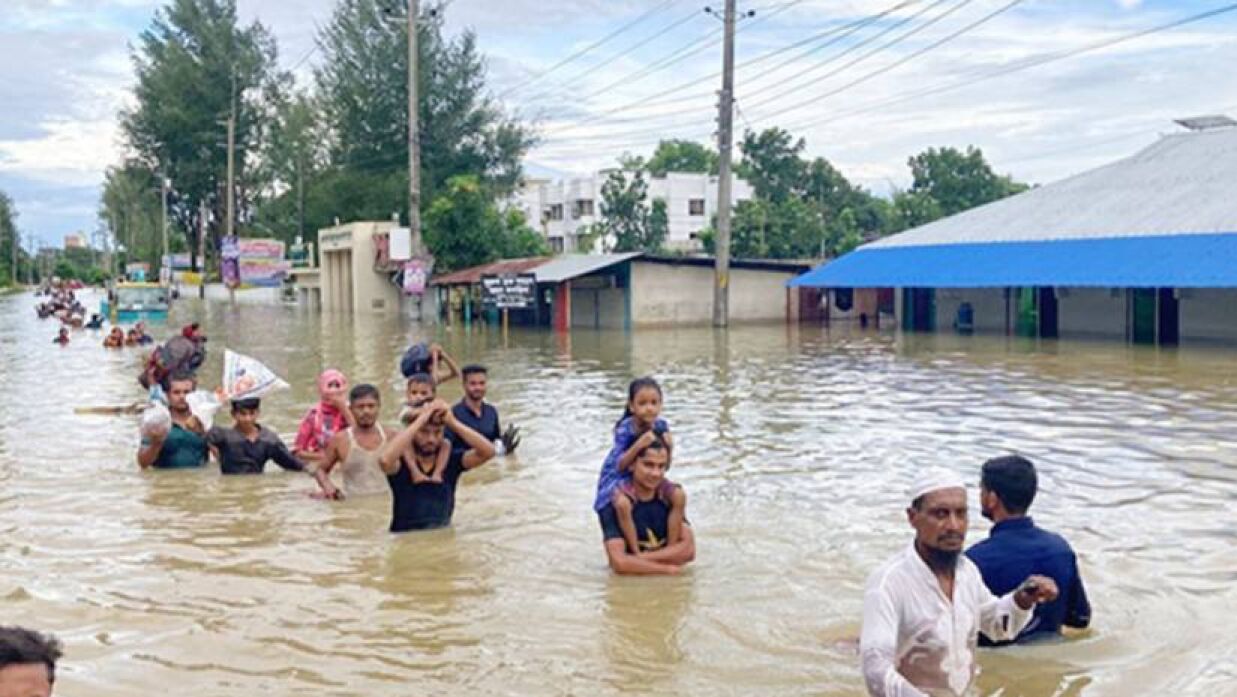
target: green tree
773 164
362 88
8 238
958 180
293 157
681 156
625 214
131 208
194 65
465 228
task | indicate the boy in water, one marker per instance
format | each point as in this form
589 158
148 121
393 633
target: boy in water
420 391
246 447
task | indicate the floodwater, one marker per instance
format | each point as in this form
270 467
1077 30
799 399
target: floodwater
795 445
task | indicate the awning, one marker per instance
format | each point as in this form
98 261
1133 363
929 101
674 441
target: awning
1159 261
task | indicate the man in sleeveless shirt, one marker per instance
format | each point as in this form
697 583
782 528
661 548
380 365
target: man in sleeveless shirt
356 449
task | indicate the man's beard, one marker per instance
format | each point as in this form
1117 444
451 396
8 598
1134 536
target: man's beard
428 450
941 559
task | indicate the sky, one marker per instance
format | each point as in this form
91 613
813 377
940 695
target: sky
865 92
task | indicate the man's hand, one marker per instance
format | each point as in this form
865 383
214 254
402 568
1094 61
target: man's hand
439 407
1035 590
511 438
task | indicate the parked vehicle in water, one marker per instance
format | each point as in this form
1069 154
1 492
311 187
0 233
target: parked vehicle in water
129 302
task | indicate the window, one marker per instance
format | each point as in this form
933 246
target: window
554 211
556 245
695 206
582 207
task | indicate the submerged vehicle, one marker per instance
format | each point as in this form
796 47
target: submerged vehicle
129 302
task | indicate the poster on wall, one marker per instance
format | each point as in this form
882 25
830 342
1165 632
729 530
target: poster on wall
229 251
416 273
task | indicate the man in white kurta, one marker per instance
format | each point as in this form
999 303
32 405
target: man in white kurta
924 608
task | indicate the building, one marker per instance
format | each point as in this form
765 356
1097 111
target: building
1142 250
629 290
564 210
352 274
75 241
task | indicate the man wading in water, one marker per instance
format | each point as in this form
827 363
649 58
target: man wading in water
924 609
185 444
650 512
425 504
358 447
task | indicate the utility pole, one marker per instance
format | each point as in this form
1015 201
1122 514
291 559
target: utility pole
725 122
202 248
164 184
414 148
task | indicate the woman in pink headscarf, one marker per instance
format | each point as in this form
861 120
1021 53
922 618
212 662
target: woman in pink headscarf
326 418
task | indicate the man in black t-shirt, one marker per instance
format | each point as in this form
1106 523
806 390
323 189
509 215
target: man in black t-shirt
424 505
481 416
651 514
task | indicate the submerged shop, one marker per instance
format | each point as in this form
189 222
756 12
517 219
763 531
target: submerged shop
616 291
1141 250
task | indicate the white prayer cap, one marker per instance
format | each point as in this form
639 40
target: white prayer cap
933 479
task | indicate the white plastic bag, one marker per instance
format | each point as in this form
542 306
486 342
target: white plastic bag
203 405
156 421
246 378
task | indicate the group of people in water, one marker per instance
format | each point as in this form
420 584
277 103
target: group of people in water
925 610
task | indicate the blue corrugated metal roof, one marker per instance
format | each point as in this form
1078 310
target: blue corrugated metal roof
1160 261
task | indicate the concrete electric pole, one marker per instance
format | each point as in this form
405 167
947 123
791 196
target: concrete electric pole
725 136
414 148
165 184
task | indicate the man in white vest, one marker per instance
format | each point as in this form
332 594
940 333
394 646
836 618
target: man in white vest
923 610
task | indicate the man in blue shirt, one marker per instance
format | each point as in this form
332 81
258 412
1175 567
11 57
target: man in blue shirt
1016 548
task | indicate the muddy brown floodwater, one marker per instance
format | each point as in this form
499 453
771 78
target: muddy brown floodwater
794 444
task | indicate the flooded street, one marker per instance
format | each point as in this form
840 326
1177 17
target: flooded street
795 446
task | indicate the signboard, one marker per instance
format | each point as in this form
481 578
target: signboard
509 291
137 271
416 273
401 244
260 262
178 261
301 255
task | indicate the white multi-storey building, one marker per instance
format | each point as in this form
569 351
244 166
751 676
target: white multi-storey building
563 210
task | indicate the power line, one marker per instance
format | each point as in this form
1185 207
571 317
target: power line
656 9
566 84
655 99
889 44
898 63
1033 62
960 84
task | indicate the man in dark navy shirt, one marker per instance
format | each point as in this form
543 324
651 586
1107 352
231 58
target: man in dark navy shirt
658 554
1016 548
474 412
428 504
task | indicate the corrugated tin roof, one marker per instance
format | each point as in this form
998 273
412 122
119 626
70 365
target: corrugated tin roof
1160 261
569 266
1181 185
474 274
